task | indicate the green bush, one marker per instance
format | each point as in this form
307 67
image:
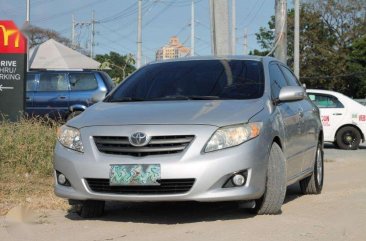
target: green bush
26 147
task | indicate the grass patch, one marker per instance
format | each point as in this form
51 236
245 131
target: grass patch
26 150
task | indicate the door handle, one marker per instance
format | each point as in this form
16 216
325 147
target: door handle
337 113
62 97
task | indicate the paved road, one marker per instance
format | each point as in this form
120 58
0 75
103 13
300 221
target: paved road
339 213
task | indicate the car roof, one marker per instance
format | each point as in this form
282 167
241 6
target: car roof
323 91
34 71
219 57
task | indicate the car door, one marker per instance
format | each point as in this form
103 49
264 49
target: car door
308 124
30 90
290 118
332 113
52 96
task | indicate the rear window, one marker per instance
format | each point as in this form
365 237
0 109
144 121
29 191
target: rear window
325 101
53 82
223 79
31 82
83 81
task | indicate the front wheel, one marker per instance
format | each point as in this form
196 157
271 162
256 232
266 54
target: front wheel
348 138
314 183
275 189
90 208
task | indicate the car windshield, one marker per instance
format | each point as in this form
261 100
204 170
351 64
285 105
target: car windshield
193 80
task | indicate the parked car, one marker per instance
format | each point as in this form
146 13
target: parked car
344 120
361 101
201 129
64 94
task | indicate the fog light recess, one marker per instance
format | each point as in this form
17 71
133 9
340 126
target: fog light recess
237 179
62 180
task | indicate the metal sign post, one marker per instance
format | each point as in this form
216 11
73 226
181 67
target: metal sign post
13 64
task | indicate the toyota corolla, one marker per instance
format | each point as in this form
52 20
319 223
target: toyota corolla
195 129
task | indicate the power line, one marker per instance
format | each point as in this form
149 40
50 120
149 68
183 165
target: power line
54 16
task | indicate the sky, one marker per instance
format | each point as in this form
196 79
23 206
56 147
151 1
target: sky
117 27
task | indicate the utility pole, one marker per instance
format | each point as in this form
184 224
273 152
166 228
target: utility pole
92 37
221 44
297 39
28 12
245 41
139 35
192 29
233 26
73 32
27 24
281 30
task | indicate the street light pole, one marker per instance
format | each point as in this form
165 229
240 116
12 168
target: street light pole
233 26
297 39
192 29
139 35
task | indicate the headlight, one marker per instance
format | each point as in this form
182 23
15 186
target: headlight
70 138
233 135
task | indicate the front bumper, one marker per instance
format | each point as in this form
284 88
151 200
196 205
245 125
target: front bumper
210 170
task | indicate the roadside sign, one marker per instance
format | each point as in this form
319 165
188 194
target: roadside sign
13 63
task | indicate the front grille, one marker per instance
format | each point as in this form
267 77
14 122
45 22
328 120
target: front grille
158 145
167 186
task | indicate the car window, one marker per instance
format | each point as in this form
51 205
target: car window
224 79
290 77
325 101
277 80
52 82
83 81
31 82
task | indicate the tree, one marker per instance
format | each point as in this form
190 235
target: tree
357 66
328 30
120 65
37 35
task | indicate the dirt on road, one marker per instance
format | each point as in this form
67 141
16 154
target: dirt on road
339 213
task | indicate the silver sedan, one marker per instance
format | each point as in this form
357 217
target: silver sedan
201 129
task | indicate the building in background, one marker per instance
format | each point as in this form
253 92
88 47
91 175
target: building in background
174 49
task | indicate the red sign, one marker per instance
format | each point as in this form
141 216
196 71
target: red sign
325 120
362 118
12 41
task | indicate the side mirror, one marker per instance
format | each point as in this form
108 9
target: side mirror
292 93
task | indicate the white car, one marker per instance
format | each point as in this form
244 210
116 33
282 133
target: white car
343 119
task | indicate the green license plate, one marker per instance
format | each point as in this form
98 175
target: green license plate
134 175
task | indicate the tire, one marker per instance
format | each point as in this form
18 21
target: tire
314 183
275 189
348 138
90 209
73 114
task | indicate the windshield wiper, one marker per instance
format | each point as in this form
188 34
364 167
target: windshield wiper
126 99
191 97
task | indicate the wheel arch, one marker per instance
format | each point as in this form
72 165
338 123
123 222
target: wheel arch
277 140
321 136
351 125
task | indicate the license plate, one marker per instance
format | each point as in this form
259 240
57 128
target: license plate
134 175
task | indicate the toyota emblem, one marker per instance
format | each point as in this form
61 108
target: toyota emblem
139 139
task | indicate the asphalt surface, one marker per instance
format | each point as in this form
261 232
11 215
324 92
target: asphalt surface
339 213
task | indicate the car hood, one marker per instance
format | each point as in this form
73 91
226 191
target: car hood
195 112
